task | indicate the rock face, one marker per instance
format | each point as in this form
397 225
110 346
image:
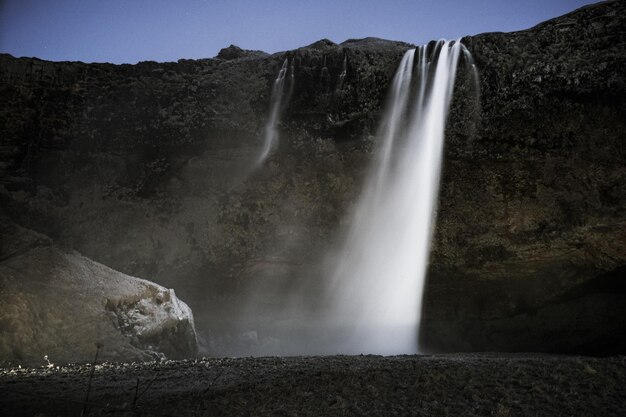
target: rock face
235 52
60 304
531 238
529 251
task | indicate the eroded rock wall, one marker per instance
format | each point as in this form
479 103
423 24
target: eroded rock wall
532 203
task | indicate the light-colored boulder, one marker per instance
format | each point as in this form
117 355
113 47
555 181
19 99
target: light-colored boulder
61 304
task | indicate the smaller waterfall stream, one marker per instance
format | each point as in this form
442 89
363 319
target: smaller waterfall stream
277 101
342 75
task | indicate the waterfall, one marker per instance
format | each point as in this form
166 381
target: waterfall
344 72
376 290
278 98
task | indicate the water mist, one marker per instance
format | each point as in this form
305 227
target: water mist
375 293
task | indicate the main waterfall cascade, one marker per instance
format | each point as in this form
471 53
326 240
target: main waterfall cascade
375 293
371 298
278 99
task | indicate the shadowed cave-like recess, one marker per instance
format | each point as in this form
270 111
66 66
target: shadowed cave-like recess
147 169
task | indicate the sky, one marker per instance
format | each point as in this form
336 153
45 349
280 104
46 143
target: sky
128 31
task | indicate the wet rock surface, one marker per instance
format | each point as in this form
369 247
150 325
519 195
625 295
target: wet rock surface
155 159
439 385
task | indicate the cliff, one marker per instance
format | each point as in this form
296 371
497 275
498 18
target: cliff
147 169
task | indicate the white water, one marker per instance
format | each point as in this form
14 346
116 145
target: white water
376 291
344 72
277 101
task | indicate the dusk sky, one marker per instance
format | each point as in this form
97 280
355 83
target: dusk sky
128 31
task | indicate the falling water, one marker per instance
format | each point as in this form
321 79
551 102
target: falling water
376 290
277 100
344 72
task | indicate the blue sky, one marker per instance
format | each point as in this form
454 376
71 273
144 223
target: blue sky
128 31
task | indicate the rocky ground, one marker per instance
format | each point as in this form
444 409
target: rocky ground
438 385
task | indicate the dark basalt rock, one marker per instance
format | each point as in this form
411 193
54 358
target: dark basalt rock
235 52
532 205
372 43
322 44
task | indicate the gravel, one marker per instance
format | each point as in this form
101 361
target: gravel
490 384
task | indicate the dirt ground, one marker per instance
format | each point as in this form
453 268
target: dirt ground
432 385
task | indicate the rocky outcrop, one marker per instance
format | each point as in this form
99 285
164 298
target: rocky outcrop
531 213
532 199
60 304
235 52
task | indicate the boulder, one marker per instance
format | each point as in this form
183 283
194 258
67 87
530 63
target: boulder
58 305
